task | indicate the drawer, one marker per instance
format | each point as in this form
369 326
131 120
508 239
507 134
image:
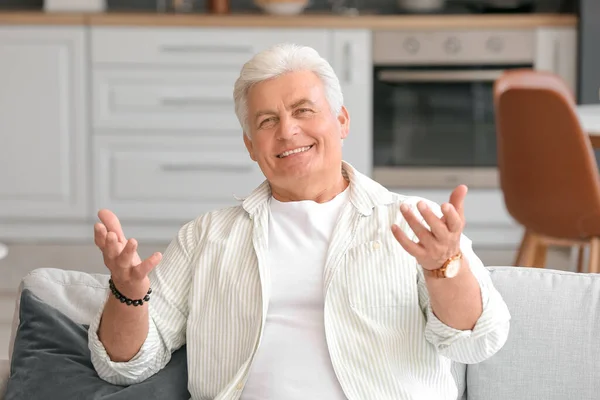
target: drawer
164 99
170 178
194 46
453 47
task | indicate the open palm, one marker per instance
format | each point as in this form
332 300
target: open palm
128 270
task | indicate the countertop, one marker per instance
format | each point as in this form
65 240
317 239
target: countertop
307 20
589 115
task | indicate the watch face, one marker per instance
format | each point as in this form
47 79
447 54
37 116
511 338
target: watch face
452 268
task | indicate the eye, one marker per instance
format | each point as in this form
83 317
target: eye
303 110
267 121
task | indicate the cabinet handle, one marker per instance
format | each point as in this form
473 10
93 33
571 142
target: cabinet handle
347 62
200 48
195 167
183 101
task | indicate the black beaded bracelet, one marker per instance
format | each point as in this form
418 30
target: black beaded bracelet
126 300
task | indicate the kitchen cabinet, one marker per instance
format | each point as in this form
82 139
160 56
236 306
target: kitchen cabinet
353 63
166 143
161 143
556 51
43 124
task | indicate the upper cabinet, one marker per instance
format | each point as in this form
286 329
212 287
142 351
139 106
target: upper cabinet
556 51
43 125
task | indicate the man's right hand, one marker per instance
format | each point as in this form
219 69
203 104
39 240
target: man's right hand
129 273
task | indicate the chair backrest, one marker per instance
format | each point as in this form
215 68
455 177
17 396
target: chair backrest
547 168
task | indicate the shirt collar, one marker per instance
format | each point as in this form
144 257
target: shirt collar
365 193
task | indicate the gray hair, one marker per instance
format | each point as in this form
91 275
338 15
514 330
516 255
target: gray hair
276 61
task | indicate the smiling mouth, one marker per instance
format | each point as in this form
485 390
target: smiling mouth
295 151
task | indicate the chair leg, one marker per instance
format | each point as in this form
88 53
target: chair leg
532 252
541 251
580 257
594 263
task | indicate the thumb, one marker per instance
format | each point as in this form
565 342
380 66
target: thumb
457 198
149 264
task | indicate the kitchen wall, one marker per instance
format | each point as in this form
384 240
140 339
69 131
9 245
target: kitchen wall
386 6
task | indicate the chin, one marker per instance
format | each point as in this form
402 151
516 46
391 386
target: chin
295 172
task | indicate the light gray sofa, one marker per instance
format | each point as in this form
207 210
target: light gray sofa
552 352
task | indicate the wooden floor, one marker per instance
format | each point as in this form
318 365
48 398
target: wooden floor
23 258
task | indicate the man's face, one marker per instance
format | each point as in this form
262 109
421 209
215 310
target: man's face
294 134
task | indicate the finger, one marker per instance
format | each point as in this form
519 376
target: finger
437 227
457 198
100 235
149 264
111 249
124 260
110 220
414 249
422 233
453 220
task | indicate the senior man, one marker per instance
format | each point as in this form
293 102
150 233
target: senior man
321 284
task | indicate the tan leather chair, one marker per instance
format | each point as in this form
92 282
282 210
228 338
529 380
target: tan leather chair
547 167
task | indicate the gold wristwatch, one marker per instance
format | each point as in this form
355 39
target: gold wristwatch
449 269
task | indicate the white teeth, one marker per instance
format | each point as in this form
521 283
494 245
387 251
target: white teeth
300 150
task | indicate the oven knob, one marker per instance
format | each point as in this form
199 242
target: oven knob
452 45
411 45
494 44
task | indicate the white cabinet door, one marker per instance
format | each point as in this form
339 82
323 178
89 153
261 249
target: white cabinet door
352 61
556 51
42 122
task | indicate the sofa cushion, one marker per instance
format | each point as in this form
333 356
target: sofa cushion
551 352
51 360
76 294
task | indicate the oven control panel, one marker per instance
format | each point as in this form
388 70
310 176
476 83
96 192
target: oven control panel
453 47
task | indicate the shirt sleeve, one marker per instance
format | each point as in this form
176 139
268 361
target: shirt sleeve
491 329
168 310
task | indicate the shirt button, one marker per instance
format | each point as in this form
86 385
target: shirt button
376 245
240 386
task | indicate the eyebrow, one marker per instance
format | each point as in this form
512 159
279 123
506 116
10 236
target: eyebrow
296 104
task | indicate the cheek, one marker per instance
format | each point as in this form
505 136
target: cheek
262 149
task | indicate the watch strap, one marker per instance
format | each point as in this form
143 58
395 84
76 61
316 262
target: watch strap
441 271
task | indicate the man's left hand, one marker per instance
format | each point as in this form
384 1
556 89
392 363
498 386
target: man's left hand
442 240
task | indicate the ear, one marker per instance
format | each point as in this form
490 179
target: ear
249 146
344 120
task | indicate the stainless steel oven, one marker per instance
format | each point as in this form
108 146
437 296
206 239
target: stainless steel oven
433 116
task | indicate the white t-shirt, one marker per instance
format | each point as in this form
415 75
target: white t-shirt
293 362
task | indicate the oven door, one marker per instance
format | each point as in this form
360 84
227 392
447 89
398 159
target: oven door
434 127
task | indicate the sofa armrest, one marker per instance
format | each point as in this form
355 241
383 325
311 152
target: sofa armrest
4 371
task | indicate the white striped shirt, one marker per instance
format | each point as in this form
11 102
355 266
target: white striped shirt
211 292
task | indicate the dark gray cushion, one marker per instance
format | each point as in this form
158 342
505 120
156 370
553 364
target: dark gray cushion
51 361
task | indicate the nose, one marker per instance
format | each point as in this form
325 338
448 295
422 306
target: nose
288 127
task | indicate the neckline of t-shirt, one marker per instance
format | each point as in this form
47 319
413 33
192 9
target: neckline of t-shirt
338 199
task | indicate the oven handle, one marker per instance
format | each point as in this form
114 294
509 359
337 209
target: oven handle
395 76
